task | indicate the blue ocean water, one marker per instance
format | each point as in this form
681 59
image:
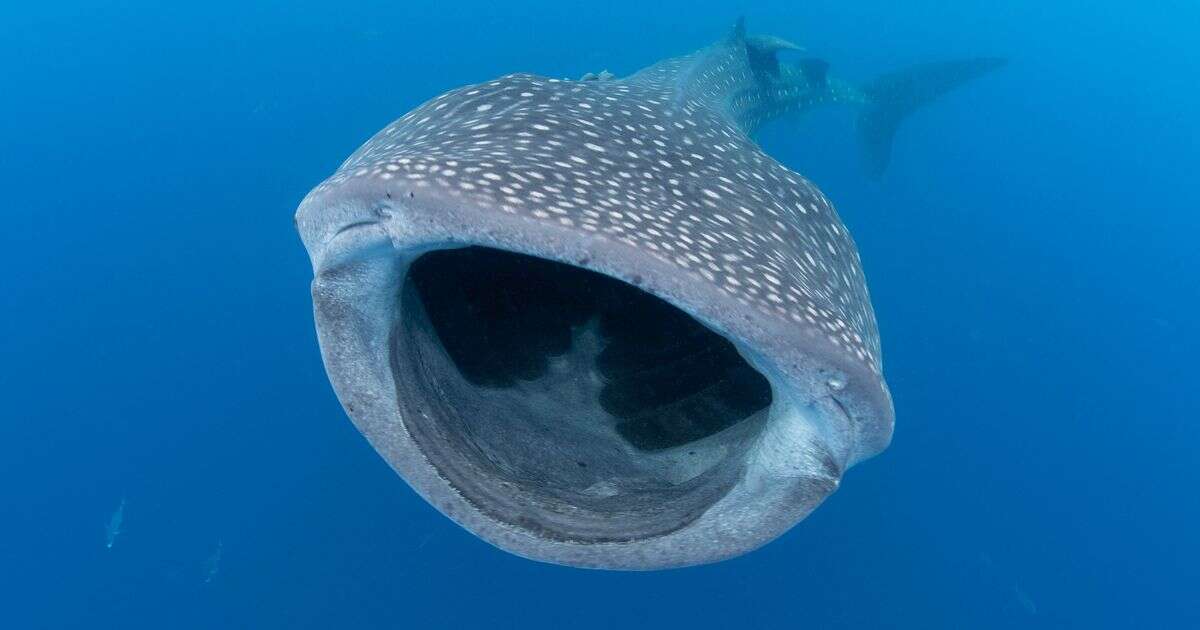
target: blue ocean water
1031 255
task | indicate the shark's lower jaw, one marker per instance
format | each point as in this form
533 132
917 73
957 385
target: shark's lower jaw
565 415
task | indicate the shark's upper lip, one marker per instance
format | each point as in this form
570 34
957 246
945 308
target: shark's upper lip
351 241
349 228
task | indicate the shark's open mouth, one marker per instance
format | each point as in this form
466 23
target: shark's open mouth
575 401
567 403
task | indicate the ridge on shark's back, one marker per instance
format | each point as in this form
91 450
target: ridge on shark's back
592 322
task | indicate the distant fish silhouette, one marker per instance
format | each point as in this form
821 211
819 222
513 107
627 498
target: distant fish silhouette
592 322
1024 600
114 525
212 564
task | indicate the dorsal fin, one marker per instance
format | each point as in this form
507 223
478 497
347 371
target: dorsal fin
738 34
763 51
771 43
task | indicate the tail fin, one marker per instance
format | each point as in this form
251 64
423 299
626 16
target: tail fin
892 97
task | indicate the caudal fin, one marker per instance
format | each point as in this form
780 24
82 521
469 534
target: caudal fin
892 97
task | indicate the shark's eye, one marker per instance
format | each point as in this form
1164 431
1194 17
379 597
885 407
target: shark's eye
567 402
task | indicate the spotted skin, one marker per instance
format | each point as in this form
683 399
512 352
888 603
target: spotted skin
662 161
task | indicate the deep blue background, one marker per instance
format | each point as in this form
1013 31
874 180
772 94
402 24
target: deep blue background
1032 256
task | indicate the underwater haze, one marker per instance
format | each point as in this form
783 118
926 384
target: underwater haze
174 455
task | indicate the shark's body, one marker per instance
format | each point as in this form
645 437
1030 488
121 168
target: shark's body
793 89
696 391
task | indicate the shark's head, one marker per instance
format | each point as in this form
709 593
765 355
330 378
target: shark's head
595 325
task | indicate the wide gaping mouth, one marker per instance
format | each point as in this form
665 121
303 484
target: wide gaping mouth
566 403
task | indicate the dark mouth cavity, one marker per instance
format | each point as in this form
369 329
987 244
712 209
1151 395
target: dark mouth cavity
503 317
567 403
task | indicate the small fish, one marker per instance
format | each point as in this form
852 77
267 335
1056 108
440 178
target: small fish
213 563
114 525
1024 600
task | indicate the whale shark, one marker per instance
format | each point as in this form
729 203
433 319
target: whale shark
592 322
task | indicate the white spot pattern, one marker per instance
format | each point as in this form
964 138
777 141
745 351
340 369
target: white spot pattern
658 161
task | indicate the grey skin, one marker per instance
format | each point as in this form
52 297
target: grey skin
592 323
